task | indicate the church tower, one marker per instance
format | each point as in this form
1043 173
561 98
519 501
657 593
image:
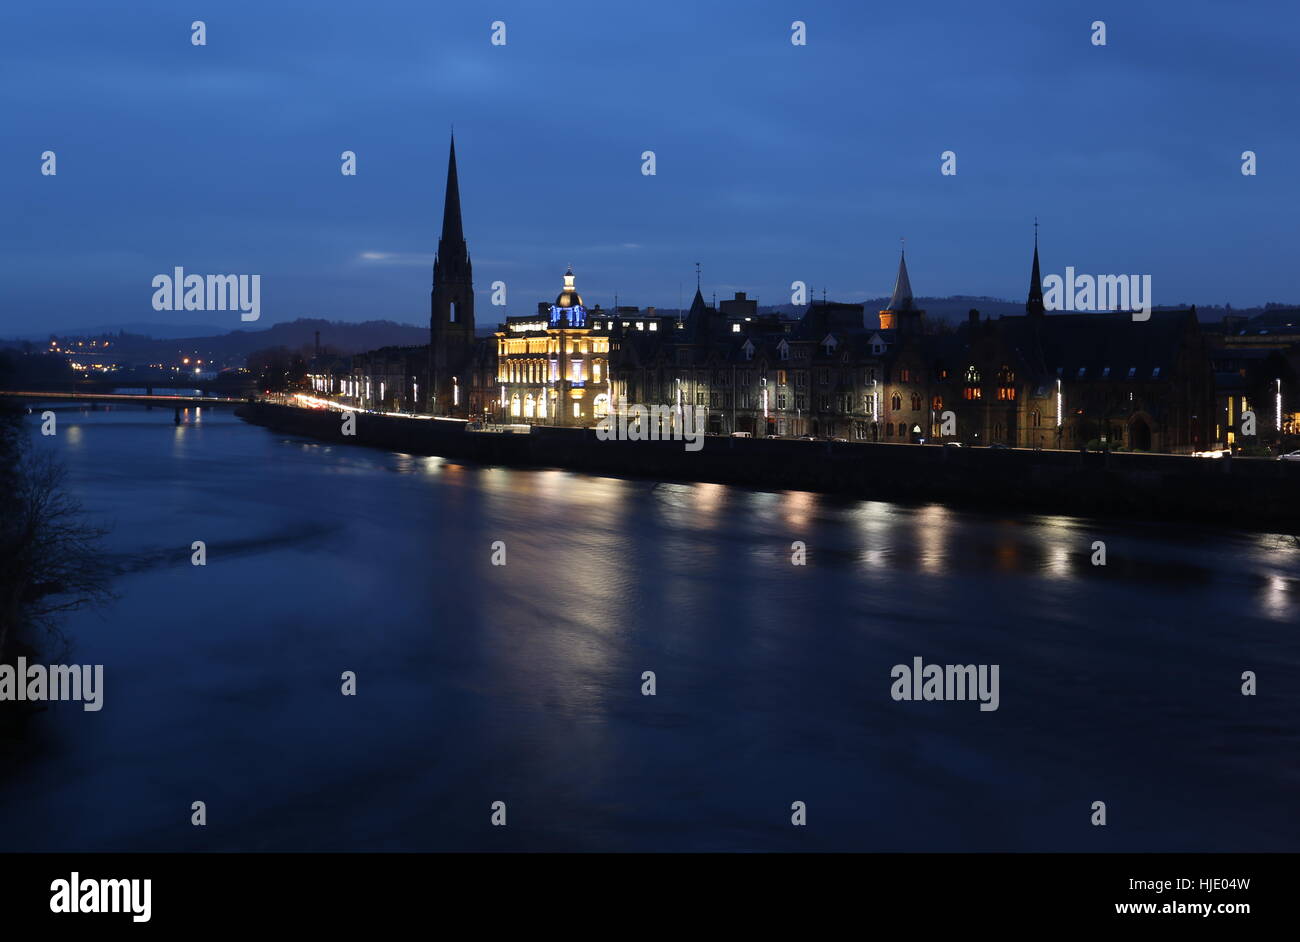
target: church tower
451 322
902 314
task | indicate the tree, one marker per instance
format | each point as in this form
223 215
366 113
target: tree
51 559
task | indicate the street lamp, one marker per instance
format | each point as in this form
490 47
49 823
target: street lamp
1060 419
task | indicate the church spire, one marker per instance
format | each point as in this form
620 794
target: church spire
902 299
451 315
1034 306
452 232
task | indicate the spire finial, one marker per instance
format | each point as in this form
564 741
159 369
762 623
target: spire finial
1035 232
697 276
902 241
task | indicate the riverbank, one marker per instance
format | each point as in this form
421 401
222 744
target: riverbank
1248 493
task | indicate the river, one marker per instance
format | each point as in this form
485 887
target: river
522 683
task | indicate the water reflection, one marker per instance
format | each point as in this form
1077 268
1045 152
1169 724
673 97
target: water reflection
524 679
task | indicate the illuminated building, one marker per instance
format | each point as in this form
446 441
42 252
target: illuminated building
552 368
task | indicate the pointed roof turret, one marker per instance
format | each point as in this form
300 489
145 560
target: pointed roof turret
698 307
902 299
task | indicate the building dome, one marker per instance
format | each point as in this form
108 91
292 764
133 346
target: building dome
568 309
569 297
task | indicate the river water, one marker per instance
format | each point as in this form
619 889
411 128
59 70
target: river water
521 683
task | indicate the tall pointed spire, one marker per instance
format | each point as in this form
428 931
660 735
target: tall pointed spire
902 299
1034 306
452 233
451 315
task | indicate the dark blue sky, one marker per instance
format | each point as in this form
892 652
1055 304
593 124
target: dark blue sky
775 162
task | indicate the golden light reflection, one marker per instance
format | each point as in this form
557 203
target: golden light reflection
707 500
877 522
932 524
1277 598
1007 554
1058 562
797 508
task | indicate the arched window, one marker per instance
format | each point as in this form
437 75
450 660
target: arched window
1006 384
916 402
530 406
937 403
514 404
889 430
896 403
1035 419
600 407
972 390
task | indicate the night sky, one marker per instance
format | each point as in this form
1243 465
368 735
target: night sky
774 162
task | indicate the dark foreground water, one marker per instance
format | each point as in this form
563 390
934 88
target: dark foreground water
522 683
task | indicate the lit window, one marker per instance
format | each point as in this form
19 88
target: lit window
654 325
577 410
735 328
640 325
1131 371
1082 370
1155 373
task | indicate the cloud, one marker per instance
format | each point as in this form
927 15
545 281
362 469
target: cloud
397 258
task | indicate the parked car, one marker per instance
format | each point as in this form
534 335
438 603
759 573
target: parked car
742 434
1289 456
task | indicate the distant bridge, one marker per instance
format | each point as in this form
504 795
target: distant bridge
224 383
135 399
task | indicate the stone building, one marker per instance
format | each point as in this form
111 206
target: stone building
1037 380
552 368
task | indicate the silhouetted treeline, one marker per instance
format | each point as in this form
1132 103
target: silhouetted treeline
18 370
278 368
51 559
